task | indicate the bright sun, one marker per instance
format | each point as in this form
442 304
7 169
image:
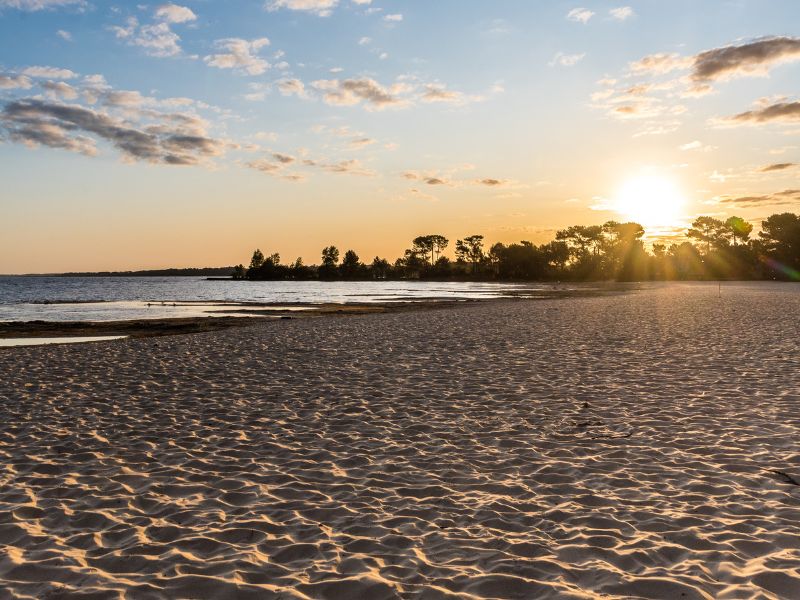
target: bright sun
650 200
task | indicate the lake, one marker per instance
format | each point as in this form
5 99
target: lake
123 298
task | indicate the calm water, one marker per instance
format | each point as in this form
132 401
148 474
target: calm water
119 298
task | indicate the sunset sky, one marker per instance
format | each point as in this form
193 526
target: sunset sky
149 135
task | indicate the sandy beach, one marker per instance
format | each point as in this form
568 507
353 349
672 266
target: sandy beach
634 445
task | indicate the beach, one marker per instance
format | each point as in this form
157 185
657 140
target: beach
627 445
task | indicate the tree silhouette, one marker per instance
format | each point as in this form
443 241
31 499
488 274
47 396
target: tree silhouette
257 260
351 265
780 240
739 229
330 259
430 246
470 249
710 231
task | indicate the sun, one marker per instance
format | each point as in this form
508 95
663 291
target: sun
650 200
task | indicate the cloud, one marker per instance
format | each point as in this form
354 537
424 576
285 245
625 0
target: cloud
434 178
289 87
284 159
395 18
775 199
276 164
352 166
621 13
359 143
580 15
438 93
36 5
777 167
274 169
750 59
745 60
157 39
491 182
354 91
240 55
660 63
49 73
175 139
696 145
566 60
322 8
64 35
15 81
778 112
173 13
59 89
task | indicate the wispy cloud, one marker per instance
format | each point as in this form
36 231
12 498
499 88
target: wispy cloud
240 55
171 139
37 5
566 60
775 199
621 13
580 15
49 72
349 92
292 87
777 167
779 112
322 8
157 38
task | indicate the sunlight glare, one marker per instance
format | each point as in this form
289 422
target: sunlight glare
650 200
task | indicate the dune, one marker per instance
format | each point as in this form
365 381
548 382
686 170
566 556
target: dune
631 445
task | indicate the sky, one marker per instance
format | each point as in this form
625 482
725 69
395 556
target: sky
152 135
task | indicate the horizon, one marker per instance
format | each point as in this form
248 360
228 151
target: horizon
191 133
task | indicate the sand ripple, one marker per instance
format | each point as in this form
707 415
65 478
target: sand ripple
632 446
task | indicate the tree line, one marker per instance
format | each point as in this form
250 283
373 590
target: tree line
715 249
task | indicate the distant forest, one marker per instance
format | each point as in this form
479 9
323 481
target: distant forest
715 249
196 272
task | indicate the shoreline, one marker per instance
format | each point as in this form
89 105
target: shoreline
242 314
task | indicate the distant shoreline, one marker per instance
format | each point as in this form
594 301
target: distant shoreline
222 272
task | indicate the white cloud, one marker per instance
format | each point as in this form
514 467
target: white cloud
49 72
393 18
239 54
621 13
11 82
292 87
322 8
353 91
64 35
566 60
36 5
580 15
696 145
59 89
157 39
173 13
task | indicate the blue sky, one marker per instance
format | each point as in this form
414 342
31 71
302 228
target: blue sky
159 134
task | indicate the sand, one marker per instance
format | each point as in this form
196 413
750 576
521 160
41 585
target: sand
638 445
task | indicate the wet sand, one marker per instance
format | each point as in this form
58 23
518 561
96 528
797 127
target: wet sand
642 445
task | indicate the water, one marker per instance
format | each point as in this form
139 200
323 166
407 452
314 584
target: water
122 298
44 341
